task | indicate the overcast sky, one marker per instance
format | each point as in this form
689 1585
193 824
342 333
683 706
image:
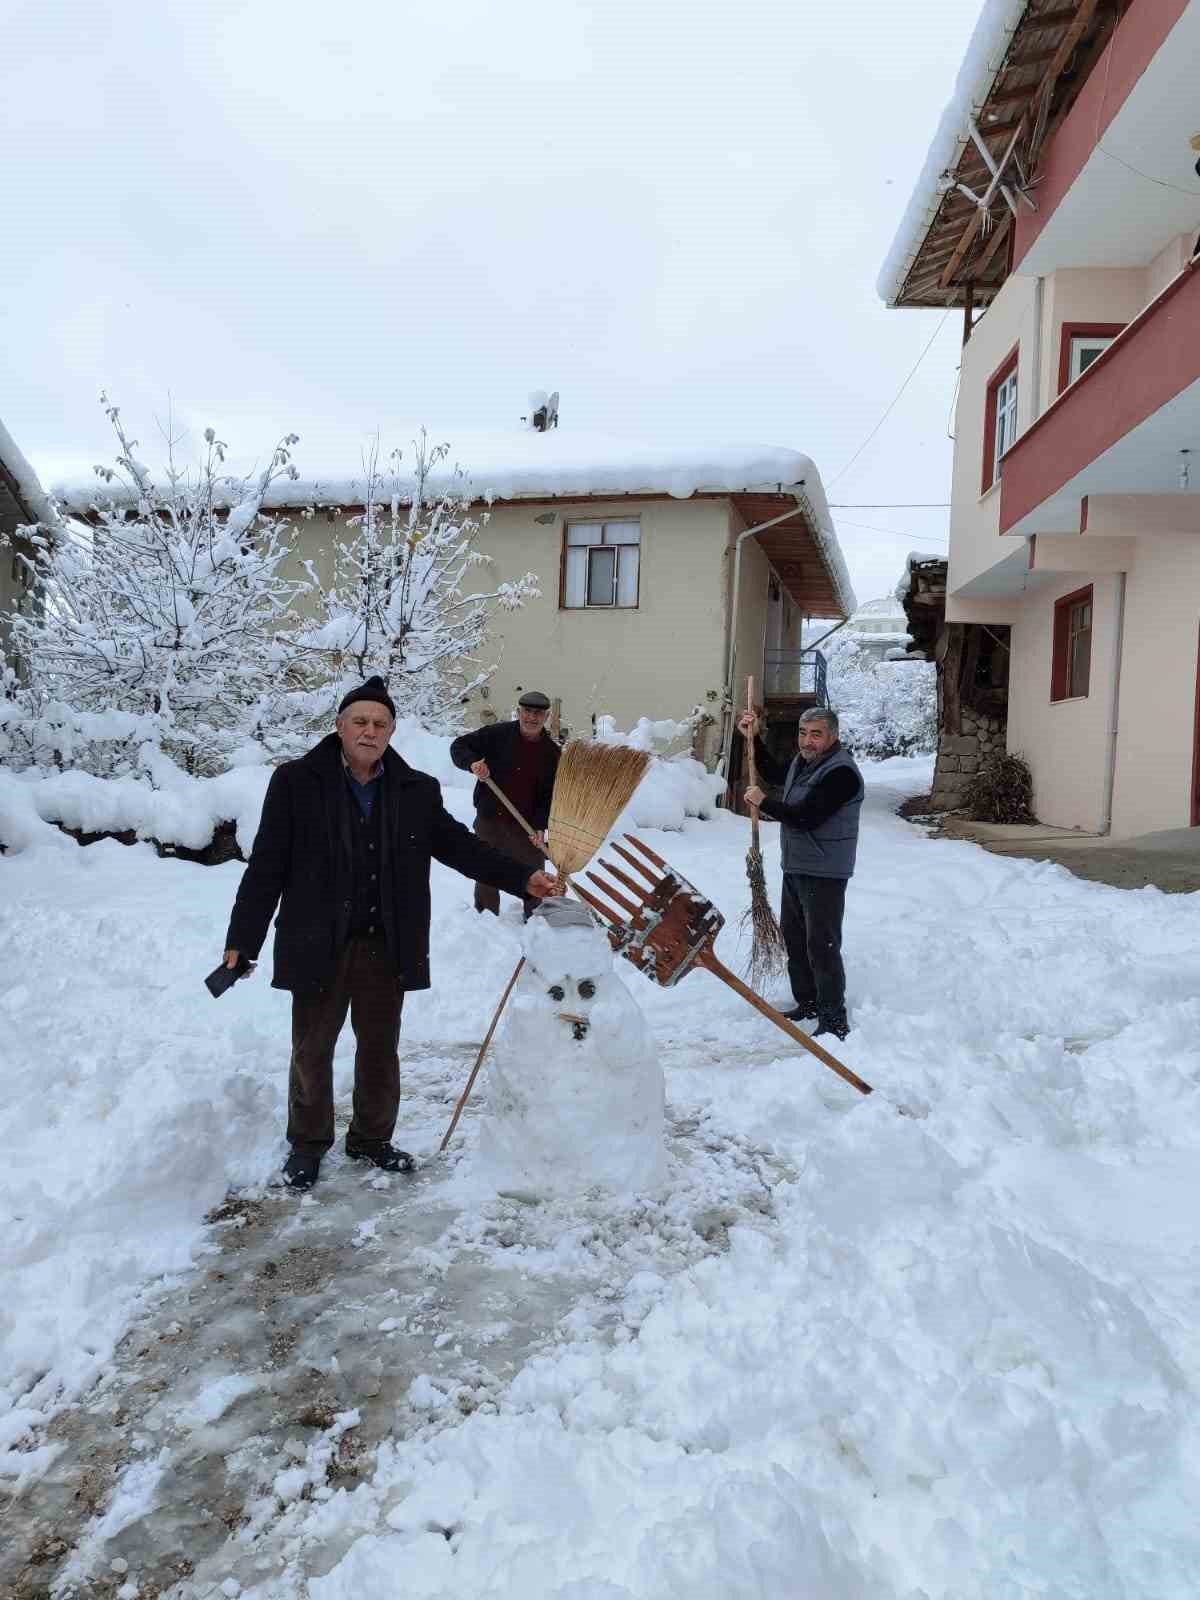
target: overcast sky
672 213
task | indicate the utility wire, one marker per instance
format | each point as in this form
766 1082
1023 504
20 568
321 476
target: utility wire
889 505
894 404
942 538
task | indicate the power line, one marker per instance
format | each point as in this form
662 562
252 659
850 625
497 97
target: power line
889 505
894 404
912 538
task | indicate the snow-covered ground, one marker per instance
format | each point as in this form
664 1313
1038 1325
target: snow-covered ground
846 1354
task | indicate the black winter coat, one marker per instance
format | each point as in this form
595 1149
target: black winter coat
497 745
302 862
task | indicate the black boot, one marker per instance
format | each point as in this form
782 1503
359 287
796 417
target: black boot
833 1022
383 1155
803 1011
302 1169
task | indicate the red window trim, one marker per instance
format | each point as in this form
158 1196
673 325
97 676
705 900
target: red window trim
1005 370
1081 330
1061 637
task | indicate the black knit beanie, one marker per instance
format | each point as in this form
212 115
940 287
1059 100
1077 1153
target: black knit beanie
374 689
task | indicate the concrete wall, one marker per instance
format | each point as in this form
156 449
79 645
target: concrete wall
1157 721
1064 741
657 660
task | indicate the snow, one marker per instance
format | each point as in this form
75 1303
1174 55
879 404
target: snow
988 44
520 464
947 1355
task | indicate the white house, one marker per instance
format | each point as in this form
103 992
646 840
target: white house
1060 208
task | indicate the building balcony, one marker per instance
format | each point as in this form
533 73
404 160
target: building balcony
1121 428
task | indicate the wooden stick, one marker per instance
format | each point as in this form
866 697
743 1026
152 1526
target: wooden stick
647 852
505 801
752 769
706 958
651 878
466 1094
631 911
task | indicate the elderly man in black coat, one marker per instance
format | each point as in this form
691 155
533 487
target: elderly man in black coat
344 850
521 759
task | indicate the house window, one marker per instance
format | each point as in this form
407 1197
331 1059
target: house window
601 565
1072 665
1082 342
1000 419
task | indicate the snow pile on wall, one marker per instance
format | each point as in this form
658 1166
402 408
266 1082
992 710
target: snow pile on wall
674 788
161 802
886 708
993 32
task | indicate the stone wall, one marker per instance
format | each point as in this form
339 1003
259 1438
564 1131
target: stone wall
960 755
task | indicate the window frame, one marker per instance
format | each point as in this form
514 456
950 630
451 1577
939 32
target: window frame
1007 369
601 523
1061 656
1071 331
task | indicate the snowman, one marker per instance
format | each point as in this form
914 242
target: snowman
575 1093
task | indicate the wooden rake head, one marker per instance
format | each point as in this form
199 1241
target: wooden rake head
665 926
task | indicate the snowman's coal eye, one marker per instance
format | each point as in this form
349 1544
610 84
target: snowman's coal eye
557 992
587 989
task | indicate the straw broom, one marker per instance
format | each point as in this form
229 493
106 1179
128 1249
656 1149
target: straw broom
768 954
593 785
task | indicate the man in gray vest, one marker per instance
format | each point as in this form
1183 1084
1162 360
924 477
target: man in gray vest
822 796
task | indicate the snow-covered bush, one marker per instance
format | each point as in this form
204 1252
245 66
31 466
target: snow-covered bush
397 600
166 606
886 708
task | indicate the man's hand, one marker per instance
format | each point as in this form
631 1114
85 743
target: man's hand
481 769
541 884
754 796
539 841
748 724
232 958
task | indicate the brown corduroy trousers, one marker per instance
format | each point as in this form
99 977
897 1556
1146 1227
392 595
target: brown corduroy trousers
365 984
506 835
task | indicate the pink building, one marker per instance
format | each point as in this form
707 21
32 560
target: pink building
1060 209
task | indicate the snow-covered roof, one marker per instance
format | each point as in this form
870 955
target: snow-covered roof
32 496
988 45
521 464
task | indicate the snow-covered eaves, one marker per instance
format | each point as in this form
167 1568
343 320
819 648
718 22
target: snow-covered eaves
493 465
1026 62
985 55
18 480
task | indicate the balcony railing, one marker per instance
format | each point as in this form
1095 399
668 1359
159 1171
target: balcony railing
793 673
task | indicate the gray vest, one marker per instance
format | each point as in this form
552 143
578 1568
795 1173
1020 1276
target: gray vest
829 850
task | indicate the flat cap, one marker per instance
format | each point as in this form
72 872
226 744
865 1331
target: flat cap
534 700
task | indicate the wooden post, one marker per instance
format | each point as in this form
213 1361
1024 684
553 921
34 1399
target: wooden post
556 719
968 310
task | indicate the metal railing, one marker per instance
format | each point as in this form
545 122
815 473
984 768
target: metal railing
795 672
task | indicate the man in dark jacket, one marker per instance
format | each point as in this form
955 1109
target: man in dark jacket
822 796
344 849
521 759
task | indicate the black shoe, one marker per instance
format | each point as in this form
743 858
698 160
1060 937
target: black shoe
833 1022
301 1169
383 1155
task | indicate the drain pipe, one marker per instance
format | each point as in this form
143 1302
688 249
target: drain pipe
1114 706
761 527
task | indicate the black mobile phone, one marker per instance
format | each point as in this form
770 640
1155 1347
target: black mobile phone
225 977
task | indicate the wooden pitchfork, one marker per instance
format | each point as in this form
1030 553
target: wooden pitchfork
669 928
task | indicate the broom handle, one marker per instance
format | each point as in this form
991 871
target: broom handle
505 801
753 768
466 1094
706 958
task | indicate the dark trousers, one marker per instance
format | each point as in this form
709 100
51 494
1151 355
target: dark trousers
504 833
811 924
365 984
